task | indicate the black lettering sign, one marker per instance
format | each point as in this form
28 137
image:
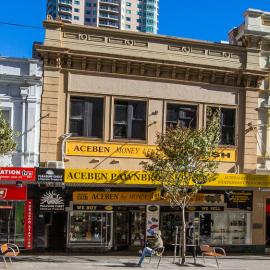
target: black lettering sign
50 175
89 208
239 199
205 208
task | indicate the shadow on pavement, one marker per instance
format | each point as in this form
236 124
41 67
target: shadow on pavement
51 259
124 265
190 265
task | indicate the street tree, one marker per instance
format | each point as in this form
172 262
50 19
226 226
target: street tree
184 162
7 141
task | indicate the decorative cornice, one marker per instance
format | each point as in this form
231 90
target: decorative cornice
141 68
25 80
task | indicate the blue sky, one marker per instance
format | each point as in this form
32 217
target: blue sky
200 19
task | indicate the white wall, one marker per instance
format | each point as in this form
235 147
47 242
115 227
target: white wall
20 93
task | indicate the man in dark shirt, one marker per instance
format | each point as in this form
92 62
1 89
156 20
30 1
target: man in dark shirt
148 251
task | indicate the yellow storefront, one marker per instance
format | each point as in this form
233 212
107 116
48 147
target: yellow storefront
111 211
110 208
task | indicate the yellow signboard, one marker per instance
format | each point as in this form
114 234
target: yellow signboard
94 149
111 197
225 155
77 148
109 177
145 178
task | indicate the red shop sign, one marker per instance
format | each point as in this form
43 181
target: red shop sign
12 193
17 174
28 225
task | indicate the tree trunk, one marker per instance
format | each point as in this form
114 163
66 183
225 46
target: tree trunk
183 261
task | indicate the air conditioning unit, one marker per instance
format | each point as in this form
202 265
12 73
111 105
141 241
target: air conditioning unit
55 164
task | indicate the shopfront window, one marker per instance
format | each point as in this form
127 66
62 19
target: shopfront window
86 117
225 228
179 115
12 222
92 229
129 120
227 124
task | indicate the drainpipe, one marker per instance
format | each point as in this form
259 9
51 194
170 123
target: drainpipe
24 95
64 137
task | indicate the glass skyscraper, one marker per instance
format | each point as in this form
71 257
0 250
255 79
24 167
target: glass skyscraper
134 15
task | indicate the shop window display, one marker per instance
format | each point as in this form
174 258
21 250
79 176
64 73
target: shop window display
12 222
92 228
225 228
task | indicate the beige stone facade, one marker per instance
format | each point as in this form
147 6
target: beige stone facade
159 71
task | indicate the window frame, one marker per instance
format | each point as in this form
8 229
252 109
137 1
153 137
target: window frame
85 96
179 104
113 99
220 106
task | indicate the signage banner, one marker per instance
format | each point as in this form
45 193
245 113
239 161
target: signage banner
92 207
152 220
205 208
77 148
225 155
17 174
111 197
52 200
13 193
94 149
239 199
50 175
109 177
28 225
146 178
211 198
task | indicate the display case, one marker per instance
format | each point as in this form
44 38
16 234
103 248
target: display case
225 228
90 229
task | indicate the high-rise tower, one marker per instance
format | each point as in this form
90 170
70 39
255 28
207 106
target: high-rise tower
134 15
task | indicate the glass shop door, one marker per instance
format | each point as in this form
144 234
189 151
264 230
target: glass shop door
137 229
121 229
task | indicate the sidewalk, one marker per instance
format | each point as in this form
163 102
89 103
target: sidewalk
55 262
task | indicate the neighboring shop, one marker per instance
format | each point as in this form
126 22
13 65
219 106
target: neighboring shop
116 219
219 217
50 209
16 209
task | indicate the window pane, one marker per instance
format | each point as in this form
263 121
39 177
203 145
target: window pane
181 115
227 125
6 115
86 117
129 119
120 114
97 118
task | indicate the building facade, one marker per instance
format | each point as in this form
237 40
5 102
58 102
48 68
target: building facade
20 98
133 15
107 94
253 33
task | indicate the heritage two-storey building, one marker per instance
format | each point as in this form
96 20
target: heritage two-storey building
106 95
